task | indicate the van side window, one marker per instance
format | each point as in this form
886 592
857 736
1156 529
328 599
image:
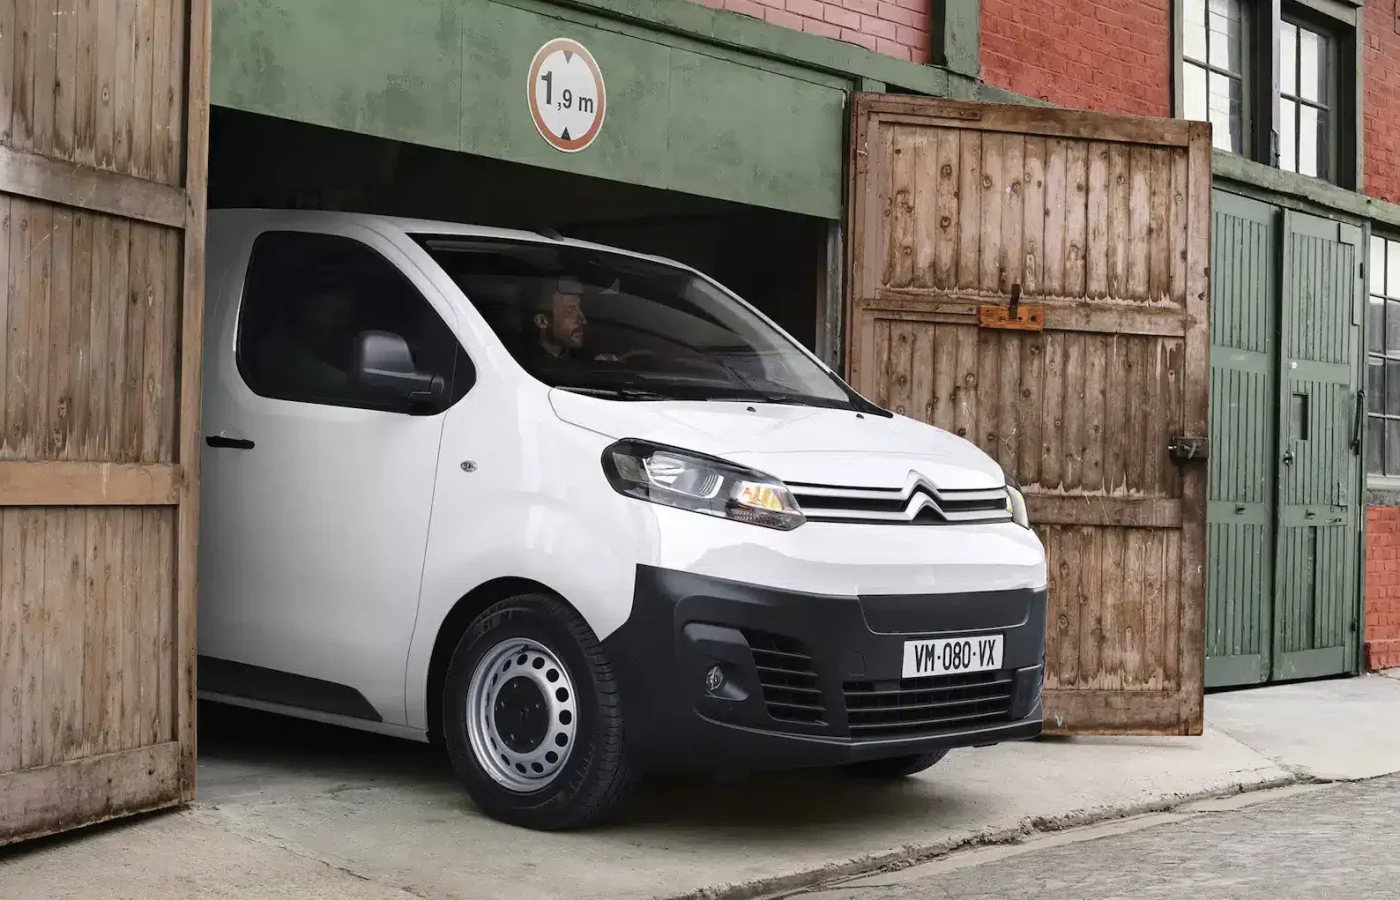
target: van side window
307 299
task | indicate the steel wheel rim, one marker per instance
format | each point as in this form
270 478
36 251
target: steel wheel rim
520 690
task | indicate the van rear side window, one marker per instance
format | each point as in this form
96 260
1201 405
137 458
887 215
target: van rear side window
307 299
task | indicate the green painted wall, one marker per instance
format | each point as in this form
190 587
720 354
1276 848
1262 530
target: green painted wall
681 116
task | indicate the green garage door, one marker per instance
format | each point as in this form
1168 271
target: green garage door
1284 514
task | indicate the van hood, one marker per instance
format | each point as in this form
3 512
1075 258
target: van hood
800 444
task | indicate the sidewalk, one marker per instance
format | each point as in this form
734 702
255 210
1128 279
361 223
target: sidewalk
281 817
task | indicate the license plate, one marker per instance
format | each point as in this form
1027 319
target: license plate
948 656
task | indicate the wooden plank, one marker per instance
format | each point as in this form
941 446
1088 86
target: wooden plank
1058 191
1052 463
1139 221
25 61
86 89
39 259
9 63
1159 235
970 210
1196 395
44 73
8 226
142 75
1110 712
32 670
1096 259
1076 238
1120 212
1017 119
54 421
1011 264
124 86
64 97
1030 406
12 671
990 275
47 800
89 484
1033 232
104 87
69 184
946 211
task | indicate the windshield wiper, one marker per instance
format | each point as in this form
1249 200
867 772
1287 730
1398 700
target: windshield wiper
618 393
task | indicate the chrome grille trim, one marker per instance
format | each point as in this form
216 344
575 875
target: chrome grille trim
917 503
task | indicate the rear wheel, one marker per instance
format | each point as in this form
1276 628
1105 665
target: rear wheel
895 766
532 719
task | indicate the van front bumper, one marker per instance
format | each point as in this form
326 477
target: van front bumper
721 675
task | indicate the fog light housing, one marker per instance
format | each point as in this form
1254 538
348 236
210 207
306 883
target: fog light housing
714 680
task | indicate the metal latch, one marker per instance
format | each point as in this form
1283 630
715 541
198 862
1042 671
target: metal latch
1185 447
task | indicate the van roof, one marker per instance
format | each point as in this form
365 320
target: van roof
253 216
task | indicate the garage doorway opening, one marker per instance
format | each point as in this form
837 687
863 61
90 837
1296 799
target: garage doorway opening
776 260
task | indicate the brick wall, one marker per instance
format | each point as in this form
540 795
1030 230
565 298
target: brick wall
1381 101
895 27
1104 55
1382 587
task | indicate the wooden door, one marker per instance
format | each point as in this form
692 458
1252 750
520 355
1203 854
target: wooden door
1100 226
1240 531
1317 601
103 121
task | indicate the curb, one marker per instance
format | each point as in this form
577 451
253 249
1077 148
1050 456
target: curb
916 854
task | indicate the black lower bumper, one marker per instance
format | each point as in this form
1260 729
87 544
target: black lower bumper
814 680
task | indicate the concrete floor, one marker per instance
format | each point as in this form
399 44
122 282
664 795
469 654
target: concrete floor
296 810
1330 841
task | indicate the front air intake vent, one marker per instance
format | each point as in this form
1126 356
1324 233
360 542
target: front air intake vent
788 679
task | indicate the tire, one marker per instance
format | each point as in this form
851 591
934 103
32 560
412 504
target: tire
895 766
558 757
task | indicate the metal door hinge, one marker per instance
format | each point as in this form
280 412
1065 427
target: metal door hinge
1187 447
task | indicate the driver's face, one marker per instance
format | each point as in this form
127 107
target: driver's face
568 324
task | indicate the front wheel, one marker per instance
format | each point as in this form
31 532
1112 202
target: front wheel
895 766
532 719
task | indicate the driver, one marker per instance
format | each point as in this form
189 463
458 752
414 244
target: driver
560 328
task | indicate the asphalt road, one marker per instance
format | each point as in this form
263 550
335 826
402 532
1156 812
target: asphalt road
1339 842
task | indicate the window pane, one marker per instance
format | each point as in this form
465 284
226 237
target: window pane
1375 446
1312 59
1197 107
1375 325
1288 58
1287 136
1225 34
1392 328
1392 446
1392 268
1375 385
1309 140
1194 46
1392 388
1376 274
1225 111
308 298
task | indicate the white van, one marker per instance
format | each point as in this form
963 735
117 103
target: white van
577 514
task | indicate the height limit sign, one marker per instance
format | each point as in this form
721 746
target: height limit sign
567 96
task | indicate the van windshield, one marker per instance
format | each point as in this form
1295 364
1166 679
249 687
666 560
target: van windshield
616 326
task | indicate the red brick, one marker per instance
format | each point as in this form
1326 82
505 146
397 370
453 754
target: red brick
1381 103
899 28
1107 55
1382 626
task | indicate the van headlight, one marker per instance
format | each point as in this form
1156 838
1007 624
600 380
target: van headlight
1016 505
700 484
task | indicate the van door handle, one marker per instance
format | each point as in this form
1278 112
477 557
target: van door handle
218 440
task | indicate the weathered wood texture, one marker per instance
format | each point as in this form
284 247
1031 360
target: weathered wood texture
103 112
1103 222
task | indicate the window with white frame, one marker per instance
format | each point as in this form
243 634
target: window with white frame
1383 360
1304 120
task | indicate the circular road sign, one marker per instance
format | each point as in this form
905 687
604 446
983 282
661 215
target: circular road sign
566 94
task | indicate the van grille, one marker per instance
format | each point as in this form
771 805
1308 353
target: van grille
917 503
789 682
921 705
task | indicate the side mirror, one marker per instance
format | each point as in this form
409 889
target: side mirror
384 365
